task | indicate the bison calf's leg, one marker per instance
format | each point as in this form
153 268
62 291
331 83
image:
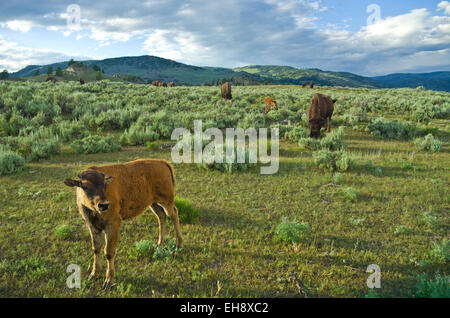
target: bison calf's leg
97 240
161 215
172 212
329 121
112 238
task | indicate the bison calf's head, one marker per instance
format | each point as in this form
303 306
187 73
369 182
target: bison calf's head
92 189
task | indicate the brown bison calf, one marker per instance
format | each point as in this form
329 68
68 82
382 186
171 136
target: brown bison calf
311 85
171 84
107 195
226 90
270 104
155 83
320 110
304 85
162 84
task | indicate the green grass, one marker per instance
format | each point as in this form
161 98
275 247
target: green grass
234 240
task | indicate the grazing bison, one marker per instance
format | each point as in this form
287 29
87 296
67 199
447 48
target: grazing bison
155 83
270 104
51 78
106 195
311 85
171 84
162 84
304 85
81 81
226 90
320 110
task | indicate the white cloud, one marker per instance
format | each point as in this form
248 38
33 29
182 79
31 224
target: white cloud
445 6
18 25
235 32
14 57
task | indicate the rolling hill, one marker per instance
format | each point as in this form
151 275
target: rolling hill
141 69
291 75
439 81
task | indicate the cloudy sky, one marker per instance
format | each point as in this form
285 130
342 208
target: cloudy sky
373 37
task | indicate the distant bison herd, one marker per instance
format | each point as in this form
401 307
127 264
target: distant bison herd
162 84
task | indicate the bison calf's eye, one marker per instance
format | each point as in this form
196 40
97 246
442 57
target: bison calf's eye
103 207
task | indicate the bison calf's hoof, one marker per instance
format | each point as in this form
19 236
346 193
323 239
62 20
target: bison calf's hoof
108 283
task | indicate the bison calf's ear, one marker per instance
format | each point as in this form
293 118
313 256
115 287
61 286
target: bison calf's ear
109 180
72 183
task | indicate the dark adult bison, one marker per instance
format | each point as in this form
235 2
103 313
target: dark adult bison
51 79
320 111
311 85
226 90
81 81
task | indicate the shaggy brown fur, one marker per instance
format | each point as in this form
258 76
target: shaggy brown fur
155 83
106 195
320 110
311 85
51 78
81 81
171 84
270 104
226 90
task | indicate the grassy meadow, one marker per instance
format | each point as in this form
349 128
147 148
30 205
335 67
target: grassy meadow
311 229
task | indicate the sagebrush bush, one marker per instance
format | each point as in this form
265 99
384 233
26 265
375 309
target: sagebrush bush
424 113
350 194
333 160
438 287
441 251
144 248
74 130
138 136
41 148
186 211
64 231
355 115
295 134
165 251
334 140
229 165
10 162
292 232
401 229
391 129
95 144
428 143
309 143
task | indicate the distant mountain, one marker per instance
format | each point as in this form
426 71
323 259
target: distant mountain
141 69
439 81
291 75
153 68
